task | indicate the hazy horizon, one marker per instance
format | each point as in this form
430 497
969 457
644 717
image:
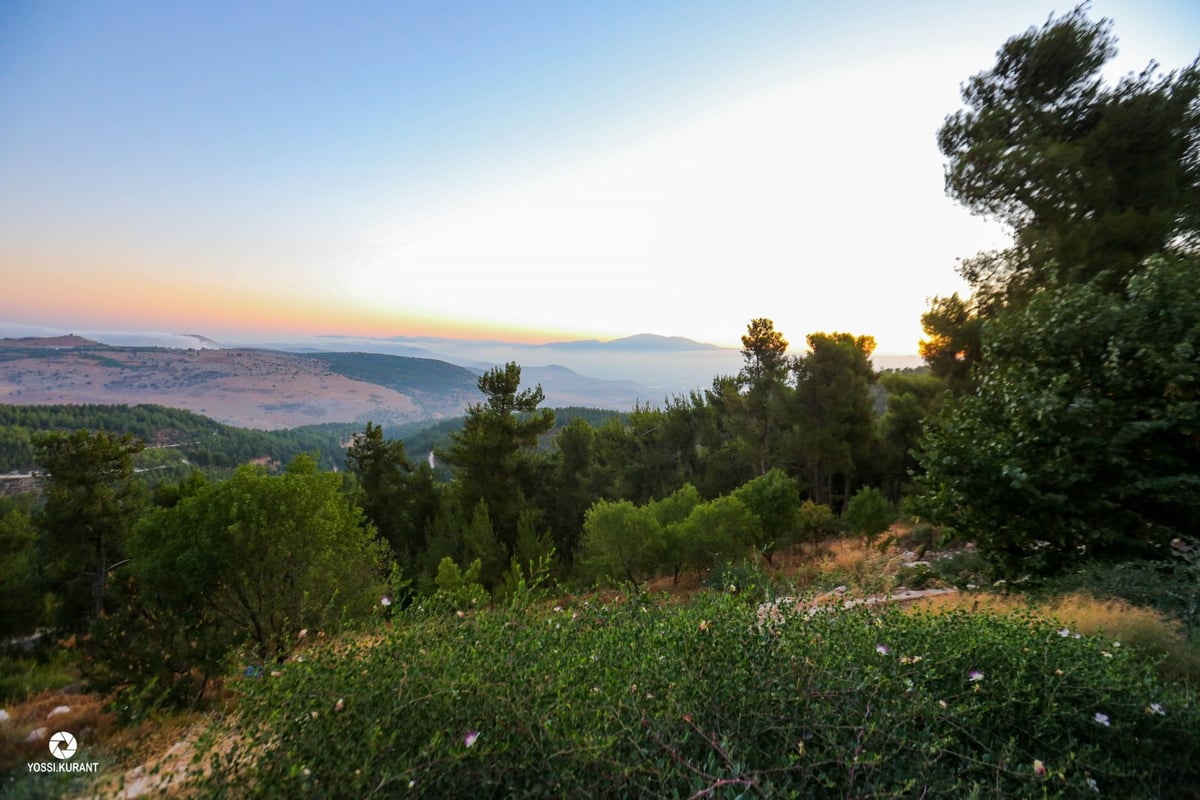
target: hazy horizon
521 172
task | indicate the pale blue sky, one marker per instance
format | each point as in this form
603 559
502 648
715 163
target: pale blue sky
523 170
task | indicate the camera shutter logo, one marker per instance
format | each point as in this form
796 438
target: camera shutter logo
63 745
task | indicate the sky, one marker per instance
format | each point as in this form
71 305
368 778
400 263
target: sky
523 171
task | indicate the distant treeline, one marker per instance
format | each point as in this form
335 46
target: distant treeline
191 438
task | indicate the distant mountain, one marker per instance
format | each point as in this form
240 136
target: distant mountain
51 342
641 341
271 389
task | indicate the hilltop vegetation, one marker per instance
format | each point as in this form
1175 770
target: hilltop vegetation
393 626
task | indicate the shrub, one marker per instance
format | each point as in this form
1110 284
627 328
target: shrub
637 699
869 513
816 521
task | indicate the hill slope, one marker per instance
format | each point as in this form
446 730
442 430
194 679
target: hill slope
247 388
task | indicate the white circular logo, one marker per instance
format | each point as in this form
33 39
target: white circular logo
63 745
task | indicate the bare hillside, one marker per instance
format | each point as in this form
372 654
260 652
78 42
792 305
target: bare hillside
248 388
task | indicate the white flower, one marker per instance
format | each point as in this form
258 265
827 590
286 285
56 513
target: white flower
469 739
975 675
385 601
883 649
1101 719
1156 709
1091 782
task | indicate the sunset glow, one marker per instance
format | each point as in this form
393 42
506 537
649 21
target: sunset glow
516 172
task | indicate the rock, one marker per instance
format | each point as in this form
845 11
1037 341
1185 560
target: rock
4 716
37 735
57 711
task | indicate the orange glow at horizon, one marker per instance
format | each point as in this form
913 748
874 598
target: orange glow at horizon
100 300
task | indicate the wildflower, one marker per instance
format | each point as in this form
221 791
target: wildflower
340 704
314 714
307 772
883 649
1058 672
1101 719
1156 709
703 624
469 739
303 632
1091 782
943 704
1039 768
911 659
909 686
1063 632
460 614
975 676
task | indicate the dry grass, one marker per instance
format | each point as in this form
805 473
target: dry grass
85 718
1143 629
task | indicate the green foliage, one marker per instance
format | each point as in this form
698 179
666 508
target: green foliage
1091 178
774 499
1081 441
834 428
712 698
910 397
493 455
954 340
459 590
716 531
177 440
396 495
19 612
622 541
869 513
91 501
763 382
251 560
816 521
1171 586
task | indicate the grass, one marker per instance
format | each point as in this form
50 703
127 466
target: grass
1147 631
701 721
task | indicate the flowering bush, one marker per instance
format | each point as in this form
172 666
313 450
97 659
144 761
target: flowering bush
641 699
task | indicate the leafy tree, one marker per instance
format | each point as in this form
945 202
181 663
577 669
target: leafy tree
1092 179
396 495
912 397
869 513
714 532
763 380
92 499
259 557
953 343
670 511
19 606
834 411
574 485
726 463
774 499
493 456
622 540
816 521
1082 441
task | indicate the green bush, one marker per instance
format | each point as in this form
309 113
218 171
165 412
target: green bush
816 521
711 698
869 513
